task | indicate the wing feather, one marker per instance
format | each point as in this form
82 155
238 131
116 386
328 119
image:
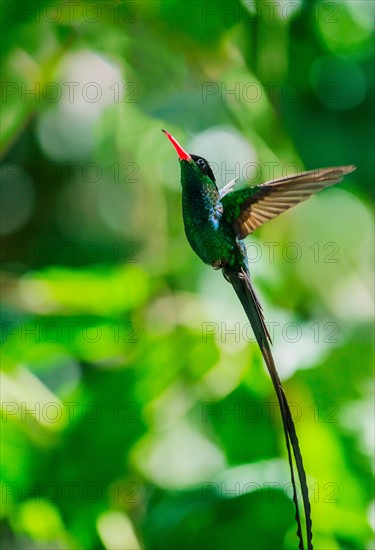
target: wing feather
249 209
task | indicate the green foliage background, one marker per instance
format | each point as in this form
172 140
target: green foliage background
154 426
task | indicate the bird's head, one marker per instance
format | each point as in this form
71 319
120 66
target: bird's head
193 165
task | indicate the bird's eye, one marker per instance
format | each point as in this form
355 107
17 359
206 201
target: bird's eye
201 163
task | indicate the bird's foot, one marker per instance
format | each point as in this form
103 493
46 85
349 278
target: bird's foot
218 264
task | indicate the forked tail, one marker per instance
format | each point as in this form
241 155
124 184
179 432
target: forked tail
240 279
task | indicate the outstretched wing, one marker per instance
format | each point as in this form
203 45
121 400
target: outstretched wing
248 209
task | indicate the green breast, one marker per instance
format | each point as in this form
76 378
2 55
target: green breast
209 243
211 237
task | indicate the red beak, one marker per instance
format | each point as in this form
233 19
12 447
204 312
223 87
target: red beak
183 155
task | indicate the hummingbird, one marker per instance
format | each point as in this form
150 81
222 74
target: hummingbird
216 222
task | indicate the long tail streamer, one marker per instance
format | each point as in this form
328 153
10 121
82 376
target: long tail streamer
240 279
